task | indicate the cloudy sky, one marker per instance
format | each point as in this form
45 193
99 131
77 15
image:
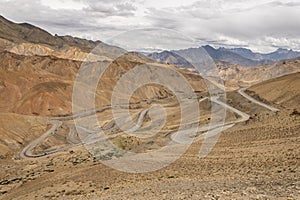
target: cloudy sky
262 25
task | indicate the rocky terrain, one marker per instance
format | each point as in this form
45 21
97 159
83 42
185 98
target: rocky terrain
258 159
236 76
41 151
40 84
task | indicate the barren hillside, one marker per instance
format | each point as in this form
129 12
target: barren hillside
236 76
283 91
46 154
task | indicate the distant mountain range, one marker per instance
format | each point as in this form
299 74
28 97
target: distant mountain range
240 56
27 39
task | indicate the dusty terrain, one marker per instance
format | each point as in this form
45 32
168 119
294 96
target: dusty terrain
236 76
257 159
41 155
282 91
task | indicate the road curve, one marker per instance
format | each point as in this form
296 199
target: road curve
244 116
97 135
184 137
27 151
242 92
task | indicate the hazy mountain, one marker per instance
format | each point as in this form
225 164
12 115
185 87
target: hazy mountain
239 56
172 58
278 55
247 53
226 55
282 54
197 58
223 55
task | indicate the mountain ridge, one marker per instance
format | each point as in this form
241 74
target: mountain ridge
239 56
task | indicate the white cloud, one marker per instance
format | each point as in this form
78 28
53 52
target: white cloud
64 4
221 22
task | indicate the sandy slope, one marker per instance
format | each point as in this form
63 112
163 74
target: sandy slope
283 90
258 159
255 159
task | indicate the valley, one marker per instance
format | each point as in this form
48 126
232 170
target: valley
182 136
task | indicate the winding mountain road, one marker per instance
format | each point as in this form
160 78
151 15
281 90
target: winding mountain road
182 137
244 116
185 136
242 92
27 151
